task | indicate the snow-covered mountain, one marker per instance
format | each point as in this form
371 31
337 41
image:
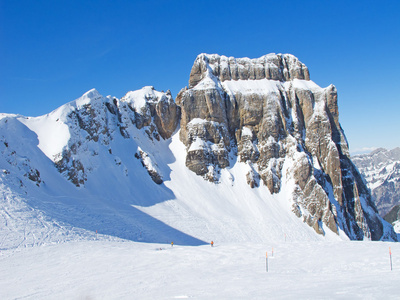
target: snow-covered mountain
381 170
251 151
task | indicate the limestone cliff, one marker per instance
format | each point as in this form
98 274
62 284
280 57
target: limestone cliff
285 128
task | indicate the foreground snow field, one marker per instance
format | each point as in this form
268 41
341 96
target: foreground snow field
128 270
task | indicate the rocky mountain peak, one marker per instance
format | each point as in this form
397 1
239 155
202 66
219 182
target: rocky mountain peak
285 129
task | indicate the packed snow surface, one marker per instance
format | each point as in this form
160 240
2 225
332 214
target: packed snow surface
103 269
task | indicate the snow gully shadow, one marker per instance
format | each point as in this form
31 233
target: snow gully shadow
121 221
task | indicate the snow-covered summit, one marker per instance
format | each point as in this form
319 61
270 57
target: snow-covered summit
89 98
86 98
139 98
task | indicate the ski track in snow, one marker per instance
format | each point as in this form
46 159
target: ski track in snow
23 226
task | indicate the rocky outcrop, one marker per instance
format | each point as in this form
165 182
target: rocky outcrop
286 129
150 166
154 109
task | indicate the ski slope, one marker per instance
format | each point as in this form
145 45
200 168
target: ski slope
103 269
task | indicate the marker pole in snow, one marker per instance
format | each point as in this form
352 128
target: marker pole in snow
266 260
390 255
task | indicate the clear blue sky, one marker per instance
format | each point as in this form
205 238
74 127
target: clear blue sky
51 52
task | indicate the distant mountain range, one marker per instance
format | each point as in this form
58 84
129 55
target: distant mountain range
381 170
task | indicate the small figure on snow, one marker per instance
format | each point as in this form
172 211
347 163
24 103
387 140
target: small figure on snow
212 243
172 244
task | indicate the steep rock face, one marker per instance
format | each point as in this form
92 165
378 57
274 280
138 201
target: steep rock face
381 170
286 128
